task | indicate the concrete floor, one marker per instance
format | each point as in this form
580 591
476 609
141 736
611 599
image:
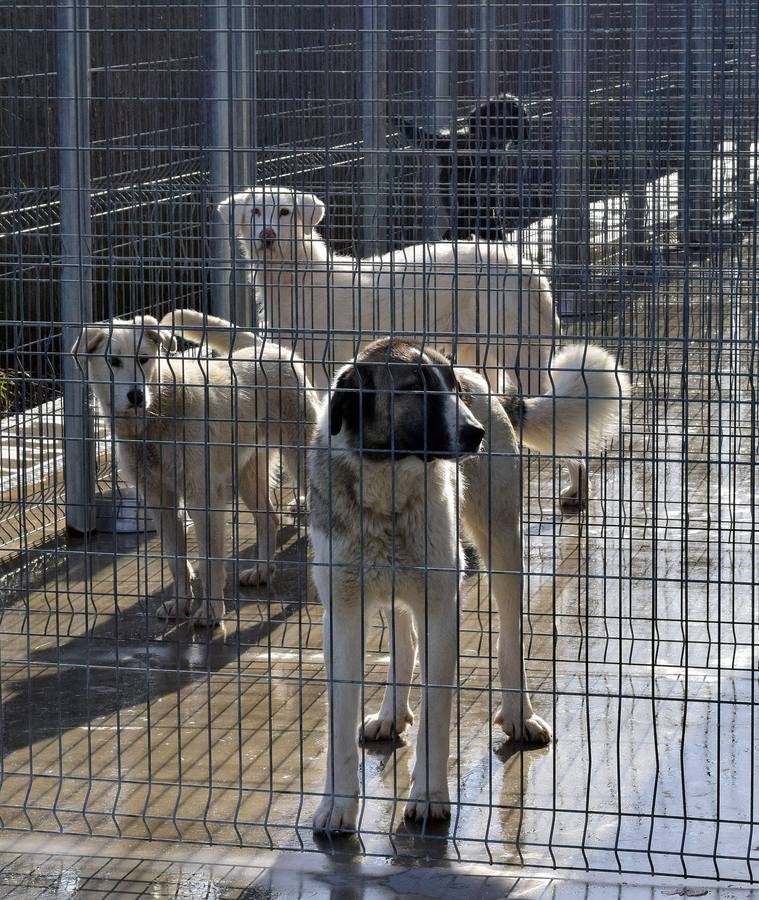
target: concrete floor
32 866
642 652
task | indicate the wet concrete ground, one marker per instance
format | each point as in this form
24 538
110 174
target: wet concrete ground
640 618
33 867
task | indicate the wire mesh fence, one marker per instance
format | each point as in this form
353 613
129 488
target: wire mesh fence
612 147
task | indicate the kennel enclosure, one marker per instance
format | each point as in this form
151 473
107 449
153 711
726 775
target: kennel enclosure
633 186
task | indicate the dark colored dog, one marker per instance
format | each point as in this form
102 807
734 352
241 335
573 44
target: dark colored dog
485 186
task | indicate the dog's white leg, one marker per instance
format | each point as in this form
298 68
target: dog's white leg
168 514
395 713
342 658
210 535
294 459
491 513
429 797
575 495
254 490
516 715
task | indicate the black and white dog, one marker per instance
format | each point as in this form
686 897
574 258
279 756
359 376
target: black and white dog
384 495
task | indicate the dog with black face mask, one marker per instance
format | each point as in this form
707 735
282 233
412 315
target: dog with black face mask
385 491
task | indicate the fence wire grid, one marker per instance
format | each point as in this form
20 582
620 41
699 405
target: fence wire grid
613 148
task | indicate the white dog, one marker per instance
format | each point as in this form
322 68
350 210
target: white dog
475 301
184 426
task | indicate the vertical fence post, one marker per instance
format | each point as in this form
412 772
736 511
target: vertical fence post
436 114
73 66
637 239
242 171
696 173
229 137
374 183
746 114
571 255
486 70
221 240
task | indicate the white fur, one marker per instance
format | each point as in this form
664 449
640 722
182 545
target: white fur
582 406
461 296
179 443
474 300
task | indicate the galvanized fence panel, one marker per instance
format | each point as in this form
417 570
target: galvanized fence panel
629 175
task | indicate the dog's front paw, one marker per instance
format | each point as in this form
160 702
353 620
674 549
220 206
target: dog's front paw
257 576
532 730
336 814
382 727
174 609
429 806
209 614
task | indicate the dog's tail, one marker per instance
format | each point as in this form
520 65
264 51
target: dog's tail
581 409
220 335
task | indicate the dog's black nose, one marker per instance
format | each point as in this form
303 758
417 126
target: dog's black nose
268 236
470 437
135 397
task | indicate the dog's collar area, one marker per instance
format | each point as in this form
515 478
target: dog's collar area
264 260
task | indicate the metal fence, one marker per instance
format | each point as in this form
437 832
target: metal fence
626 168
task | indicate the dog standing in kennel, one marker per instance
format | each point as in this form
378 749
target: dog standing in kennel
384 497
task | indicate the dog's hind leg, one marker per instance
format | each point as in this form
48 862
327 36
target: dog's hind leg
491 514
169 516
516 715
429 798
254 489
294 459
209 531
299 413
575 495
395 713
343 640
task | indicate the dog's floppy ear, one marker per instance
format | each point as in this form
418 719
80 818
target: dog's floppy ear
345 400
310 210
89 341
167 341
352 399
235 210
152 330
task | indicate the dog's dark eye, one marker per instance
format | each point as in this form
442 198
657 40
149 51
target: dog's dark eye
284 212
256 212
143 360
114 362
